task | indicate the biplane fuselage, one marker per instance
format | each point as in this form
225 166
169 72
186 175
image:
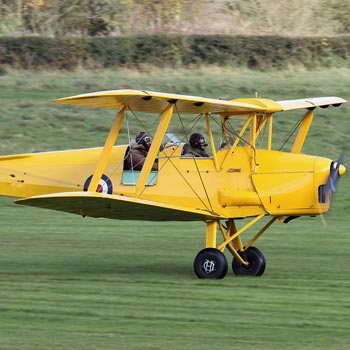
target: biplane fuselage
239 180
276 183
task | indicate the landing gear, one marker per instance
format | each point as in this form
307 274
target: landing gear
210 263
247 260
256 263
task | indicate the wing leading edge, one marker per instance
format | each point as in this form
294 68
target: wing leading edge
118 207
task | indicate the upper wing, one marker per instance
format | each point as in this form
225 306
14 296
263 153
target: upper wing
311 103
96 205
155 102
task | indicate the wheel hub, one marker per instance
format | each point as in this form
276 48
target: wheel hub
208 266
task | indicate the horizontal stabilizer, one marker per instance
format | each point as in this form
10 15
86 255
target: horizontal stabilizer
118 207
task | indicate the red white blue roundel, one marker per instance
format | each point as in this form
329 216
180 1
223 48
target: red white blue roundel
104 186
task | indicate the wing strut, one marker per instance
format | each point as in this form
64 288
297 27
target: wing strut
231 238
112 136
269 137
211 141
156 143
304 129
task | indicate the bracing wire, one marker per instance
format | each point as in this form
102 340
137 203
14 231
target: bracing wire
294 128
262 135
203 185
185 128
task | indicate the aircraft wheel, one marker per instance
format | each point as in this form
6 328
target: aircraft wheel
256 260
210 263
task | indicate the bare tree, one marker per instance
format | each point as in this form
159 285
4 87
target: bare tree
123 17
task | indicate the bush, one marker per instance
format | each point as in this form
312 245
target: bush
254 52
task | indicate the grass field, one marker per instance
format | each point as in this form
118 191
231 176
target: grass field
73 283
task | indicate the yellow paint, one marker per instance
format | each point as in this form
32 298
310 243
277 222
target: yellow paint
236 243
210 241
269 137
269 106
154 102
235 235
158 137
303 131
211 141
282 184
341 170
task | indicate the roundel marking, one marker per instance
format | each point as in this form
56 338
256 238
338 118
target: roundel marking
104 186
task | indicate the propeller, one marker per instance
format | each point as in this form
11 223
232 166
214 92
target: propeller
337 169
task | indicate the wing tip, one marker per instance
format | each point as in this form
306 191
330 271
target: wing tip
312 103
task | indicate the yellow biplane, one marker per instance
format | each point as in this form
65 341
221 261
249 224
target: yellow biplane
243 178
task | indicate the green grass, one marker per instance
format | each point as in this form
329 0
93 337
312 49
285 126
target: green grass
73 283
27 114
68 282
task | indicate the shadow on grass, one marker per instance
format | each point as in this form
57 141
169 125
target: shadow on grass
83 268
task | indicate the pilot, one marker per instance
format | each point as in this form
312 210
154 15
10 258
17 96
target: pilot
197 146
137 152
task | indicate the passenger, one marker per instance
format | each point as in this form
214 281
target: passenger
137 152
197 146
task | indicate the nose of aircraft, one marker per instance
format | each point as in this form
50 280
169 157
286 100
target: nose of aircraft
341 170
337 169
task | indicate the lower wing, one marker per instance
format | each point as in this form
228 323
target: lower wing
96 205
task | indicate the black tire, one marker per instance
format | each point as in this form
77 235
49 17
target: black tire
210 263
256 260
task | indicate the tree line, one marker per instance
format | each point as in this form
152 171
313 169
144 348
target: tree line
57 18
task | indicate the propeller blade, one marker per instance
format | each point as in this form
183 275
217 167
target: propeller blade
337 169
